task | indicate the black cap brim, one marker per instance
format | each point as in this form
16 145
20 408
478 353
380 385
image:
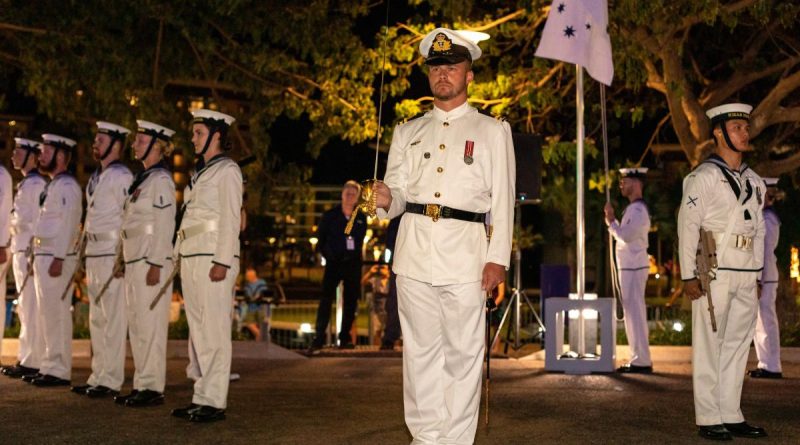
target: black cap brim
446 60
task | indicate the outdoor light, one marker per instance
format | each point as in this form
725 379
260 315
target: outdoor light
590 317
305 328
271 240
313 241
387 255
677 326
12 123
658 275
376 253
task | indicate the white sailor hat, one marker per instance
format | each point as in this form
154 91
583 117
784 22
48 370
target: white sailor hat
113 130
770 182
28 144
151 129
58 141
212 118
729 111
633 172
444 46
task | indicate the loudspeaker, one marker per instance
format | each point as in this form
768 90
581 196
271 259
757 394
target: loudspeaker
528 153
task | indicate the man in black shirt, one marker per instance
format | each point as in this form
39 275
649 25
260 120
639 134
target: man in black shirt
342 255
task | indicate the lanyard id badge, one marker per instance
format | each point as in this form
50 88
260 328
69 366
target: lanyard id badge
351 243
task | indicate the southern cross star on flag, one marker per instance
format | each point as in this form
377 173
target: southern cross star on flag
577 32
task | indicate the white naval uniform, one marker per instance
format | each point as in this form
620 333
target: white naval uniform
210 235
56 237
719 358
148 224
633 264
767 338
440 264
6 204
23 220
105 198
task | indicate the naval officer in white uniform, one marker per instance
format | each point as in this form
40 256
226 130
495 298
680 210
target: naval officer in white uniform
55 257
209 253
452 172
767 338
6 204
105 197
23 219
725 197
633 264
148 225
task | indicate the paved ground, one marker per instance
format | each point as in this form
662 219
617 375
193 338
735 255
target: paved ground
358 400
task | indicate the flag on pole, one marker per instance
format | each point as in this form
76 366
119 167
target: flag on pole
577 32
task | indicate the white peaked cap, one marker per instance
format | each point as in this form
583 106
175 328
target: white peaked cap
108 127
54 139
730 111
633 172
455 39
156 130
27 143
203 115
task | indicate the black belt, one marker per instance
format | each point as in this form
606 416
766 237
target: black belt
436 211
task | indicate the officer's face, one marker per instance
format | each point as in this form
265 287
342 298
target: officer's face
140 144
349 197
739 132
18 157
48 151
99 145
449 81
199 135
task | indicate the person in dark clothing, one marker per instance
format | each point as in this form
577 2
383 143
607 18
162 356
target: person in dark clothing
391 332
342 255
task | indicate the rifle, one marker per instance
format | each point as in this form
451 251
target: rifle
119 264
78 267
176 267
706 262
29 271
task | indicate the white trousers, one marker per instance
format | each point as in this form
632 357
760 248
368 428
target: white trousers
147 328
54 318
767 337
31 343
3 271
443 346
107 324
719 358
632 283
209 311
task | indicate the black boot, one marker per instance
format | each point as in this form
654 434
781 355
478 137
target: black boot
120 400
47 381
96 392
145 398
714 432
185 413
206 414
742 429
80 389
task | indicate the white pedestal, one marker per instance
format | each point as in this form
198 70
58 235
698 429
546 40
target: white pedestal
556 312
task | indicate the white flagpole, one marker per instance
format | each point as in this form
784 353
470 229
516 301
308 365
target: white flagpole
580 230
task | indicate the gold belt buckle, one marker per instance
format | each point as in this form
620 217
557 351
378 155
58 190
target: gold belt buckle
182 235
433 210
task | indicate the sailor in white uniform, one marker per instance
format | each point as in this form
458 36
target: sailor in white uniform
6 204
55 257
447 170
108 325
23 219
767 338
633 264
208 243
725 197
148 225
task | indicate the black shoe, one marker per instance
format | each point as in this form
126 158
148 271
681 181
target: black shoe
80 389
100 391
346 346
120 400
31 377
205 414
744 430
761 373
16 372
145 398
714 432
185 413
47 381
634 369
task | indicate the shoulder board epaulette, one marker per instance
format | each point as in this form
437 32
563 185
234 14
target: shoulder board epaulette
487 112
416 116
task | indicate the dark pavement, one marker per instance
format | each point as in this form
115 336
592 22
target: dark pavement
357 400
